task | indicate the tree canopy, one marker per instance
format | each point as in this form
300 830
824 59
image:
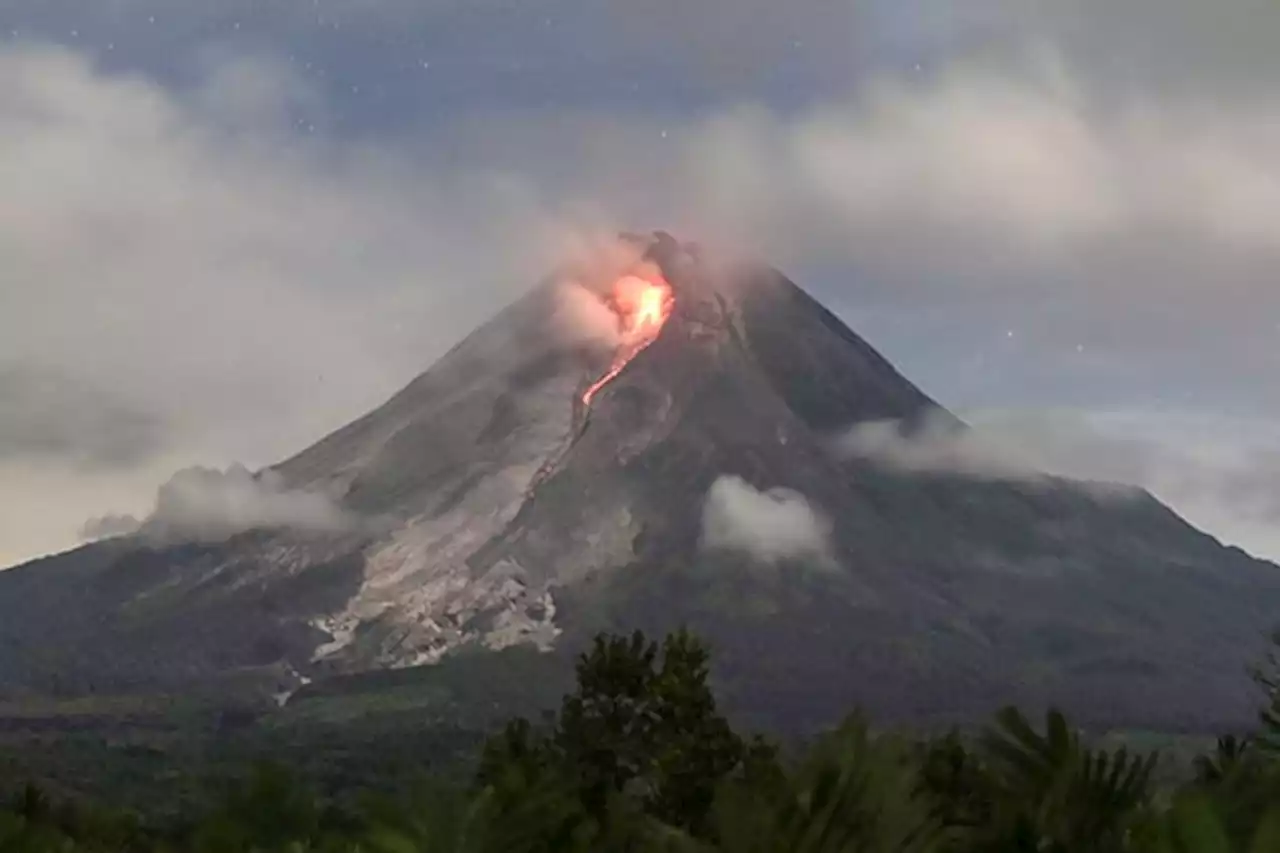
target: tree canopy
639 758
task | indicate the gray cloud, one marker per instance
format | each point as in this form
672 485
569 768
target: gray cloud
720 46
1176 45
50 414
1238 485
213 264
771 525
246 285
1024 172
209 283
970 180
1027 446
205 504
1166 44
1147 220
109 526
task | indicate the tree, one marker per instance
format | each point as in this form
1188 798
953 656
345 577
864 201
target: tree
643 721
959 783
1231 756
1266 675
269 810
853 793
1054 794
1194 824
641 724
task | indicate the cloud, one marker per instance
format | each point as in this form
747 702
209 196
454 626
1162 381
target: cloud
203 259
1149 220
206 504
710 46
109 526
1170 44
1018 445
935 447
49 414
193 277
1174 45
1238 487
1034 165
772 525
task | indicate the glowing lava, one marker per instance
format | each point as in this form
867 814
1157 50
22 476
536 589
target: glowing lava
642 306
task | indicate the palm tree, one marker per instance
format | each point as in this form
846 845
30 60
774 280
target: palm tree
1058 795
1229 758
855 793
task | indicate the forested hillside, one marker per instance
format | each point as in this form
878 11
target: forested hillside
638 758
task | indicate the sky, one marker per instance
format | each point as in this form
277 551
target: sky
229 228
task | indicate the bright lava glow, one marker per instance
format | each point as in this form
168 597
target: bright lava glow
649 312
643 307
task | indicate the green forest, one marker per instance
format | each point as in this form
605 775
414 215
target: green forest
639 758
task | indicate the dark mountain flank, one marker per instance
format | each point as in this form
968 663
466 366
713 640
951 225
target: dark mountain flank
497 510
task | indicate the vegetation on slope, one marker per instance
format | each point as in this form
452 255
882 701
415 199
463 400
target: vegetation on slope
638 758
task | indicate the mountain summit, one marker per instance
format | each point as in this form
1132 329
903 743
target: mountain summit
648 443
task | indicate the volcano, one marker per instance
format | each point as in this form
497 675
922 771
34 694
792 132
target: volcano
676 469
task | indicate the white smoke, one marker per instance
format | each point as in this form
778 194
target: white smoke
583 317
592 262
772 525
206 504
109 526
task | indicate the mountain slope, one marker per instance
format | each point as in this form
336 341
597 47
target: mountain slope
501 510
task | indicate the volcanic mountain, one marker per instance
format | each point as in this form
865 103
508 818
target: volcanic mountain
532 488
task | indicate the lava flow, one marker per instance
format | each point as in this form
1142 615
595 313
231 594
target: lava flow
642 306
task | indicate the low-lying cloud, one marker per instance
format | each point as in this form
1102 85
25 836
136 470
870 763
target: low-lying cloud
1022 446
1238 486
771 525
206 504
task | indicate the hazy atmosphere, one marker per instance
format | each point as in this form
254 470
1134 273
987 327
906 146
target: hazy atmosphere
229 228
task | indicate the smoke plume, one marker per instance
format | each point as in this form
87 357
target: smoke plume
583 317
592 263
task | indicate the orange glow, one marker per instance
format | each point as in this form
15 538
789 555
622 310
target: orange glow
642 306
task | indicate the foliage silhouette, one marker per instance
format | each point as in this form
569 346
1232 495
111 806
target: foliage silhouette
639 760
